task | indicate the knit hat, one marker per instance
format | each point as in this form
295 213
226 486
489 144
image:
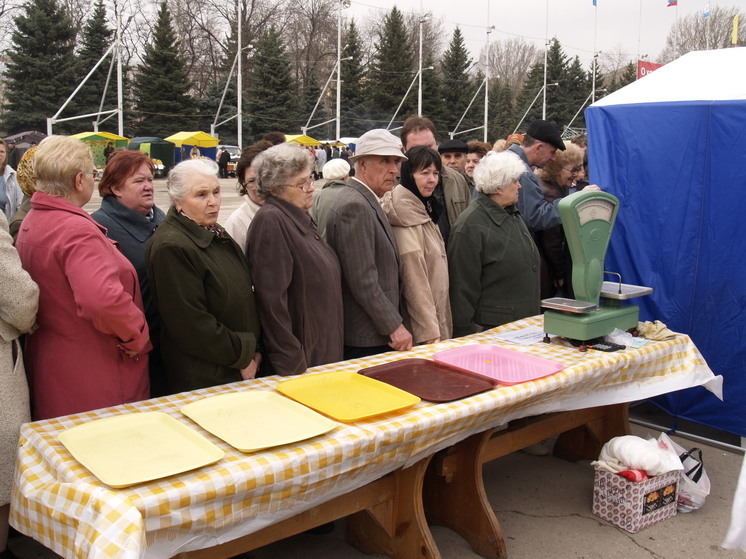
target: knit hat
336 169
453 145
25 172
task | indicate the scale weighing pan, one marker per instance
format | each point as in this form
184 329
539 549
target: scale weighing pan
506 366
430 380
124 450
346 396
256 419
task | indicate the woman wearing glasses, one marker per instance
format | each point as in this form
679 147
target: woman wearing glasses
90 350
239 221
557 178
296 274
202 286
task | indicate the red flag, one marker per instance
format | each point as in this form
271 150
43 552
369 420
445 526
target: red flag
672 3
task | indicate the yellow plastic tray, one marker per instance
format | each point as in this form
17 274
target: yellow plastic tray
346 396
133 448
257 419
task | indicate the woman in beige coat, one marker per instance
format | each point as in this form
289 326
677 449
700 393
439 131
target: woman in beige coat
413 212
19 297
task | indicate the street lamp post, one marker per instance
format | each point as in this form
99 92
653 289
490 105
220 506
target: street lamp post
342 4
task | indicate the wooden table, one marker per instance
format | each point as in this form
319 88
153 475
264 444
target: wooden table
372 469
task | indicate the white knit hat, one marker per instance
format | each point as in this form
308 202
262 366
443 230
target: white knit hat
336 169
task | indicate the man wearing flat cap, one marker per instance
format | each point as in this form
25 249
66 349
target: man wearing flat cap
358 230
453 154
538 148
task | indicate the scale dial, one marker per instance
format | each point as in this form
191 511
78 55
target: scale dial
595 209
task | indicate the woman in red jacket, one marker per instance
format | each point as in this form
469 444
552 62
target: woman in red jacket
90 350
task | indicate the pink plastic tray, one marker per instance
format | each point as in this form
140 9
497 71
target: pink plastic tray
506 366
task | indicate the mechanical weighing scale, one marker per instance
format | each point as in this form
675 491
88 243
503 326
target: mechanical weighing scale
588 219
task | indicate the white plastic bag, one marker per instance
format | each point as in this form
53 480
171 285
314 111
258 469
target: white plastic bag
694 486
629 452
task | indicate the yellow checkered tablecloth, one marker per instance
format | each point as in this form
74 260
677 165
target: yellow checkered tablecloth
62 505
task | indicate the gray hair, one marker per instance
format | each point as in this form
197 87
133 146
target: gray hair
179 183
277 165
497 170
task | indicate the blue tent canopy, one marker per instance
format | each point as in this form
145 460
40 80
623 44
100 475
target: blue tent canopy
672 148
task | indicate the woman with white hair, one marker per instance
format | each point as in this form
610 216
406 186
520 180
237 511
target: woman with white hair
202 286
297 276
91 348
492 260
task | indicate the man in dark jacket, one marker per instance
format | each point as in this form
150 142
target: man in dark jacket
224 157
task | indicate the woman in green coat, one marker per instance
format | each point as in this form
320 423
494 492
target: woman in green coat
493 263
202 286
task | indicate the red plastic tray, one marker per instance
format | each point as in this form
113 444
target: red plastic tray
506 366
431 381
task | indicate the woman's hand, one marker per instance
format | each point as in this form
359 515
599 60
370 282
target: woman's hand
250 371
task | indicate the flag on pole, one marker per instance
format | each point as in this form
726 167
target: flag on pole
594 2
734 34
672 3
706 13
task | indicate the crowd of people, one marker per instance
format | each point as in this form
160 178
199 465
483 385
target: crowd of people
409 242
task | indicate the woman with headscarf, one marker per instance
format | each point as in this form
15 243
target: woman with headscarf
90 350
297 276
10 192
202 286
413 212
492 259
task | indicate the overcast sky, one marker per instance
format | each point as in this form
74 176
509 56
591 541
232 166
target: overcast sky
630 26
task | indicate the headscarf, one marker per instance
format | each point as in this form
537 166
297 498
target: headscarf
433 207
25 172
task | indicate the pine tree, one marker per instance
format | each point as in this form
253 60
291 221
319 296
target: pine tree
208 105
311 92
353 115
433 106
502 113
272 96
458 88
40 72
530 93
97 38
391 72
628 75
557 96
576 89
162 84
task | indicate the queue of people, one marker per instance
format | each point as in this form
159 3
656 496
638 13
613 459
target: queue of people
423 243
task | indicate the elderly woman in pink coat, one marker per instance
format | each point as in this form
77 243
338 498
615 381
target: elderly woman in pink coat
90 350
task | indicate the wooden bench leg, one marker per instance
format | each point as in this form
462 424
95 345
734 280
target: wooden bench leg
585 442
454 497
396 528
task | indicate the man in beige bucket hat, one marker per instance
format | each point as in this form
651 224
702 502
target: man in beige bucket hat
359 232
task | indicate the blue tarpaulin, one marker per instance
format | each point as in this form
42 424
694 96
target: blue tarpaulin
672 148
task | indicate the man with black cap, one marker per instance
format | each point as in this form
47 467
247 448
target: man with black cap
453 154
541 142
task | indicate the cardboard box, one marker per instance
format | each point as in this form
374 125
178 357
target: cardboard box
634 506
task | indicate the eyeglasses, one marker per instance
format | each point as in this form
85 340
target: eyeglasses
574 170
305 186
93 173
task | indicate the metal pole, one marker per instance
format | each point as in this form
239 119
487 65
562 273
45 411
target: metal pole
487 76
120 97
239 79
419 69
546 52
339 72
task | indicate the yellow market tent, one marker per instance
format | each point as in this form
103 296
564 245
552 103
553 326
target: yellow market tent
301 139
199 139
98 142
